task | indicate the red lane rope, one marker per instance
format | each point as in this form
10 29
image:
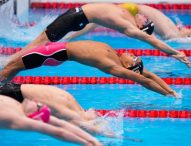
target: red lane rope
62 5
146 113
9 50
47 80
137 52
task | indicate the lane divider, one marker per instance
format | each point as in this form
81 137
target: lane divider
55 80
137 52
9 50
146 113
63 5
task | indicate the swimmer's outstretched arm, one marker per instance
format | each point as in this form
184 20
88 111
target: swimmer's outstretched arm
89 27
136 33
74 129
122 72
159 81
25 123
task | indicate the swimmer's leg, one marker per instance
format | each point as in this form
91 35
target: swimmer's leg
51 55
11 69
71 20
41 40
34 58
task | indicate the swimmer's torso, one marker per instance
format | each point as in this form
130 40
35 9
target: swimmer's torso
91 53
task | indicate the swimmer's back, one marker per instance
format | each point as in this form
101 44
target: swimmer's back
86 51
102 11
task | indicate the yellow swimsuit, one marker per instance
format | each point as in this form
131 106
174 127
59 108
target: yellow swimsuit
131 7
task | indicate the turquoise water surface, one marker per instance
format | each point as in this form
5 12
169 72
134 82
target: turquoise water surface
157 132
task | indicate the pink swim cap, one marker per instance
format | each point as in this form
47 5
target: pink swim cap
43 114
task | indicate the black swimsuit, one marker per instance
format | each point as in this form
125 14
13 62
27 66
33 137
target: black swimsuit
12 90
72 20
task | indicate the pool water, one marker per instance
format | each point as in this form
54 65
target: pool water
158 132
171 132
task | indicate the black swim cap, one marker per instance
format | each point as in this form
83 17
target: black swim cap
137 67
148 27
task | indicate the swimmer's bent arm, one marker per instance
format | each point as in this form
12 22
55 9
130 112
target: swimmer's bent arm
25 123
88 28
122 72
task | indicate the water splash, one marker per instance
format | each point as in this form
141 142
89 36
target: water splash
180 94
22 34
186 40
178 101
116 122
11 30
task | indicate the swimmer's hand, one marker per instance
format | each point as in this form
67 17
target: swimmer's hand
174 95
182 57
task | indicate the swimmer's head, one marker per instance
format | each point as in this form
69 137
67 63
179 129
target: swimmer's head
144 24
131 62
